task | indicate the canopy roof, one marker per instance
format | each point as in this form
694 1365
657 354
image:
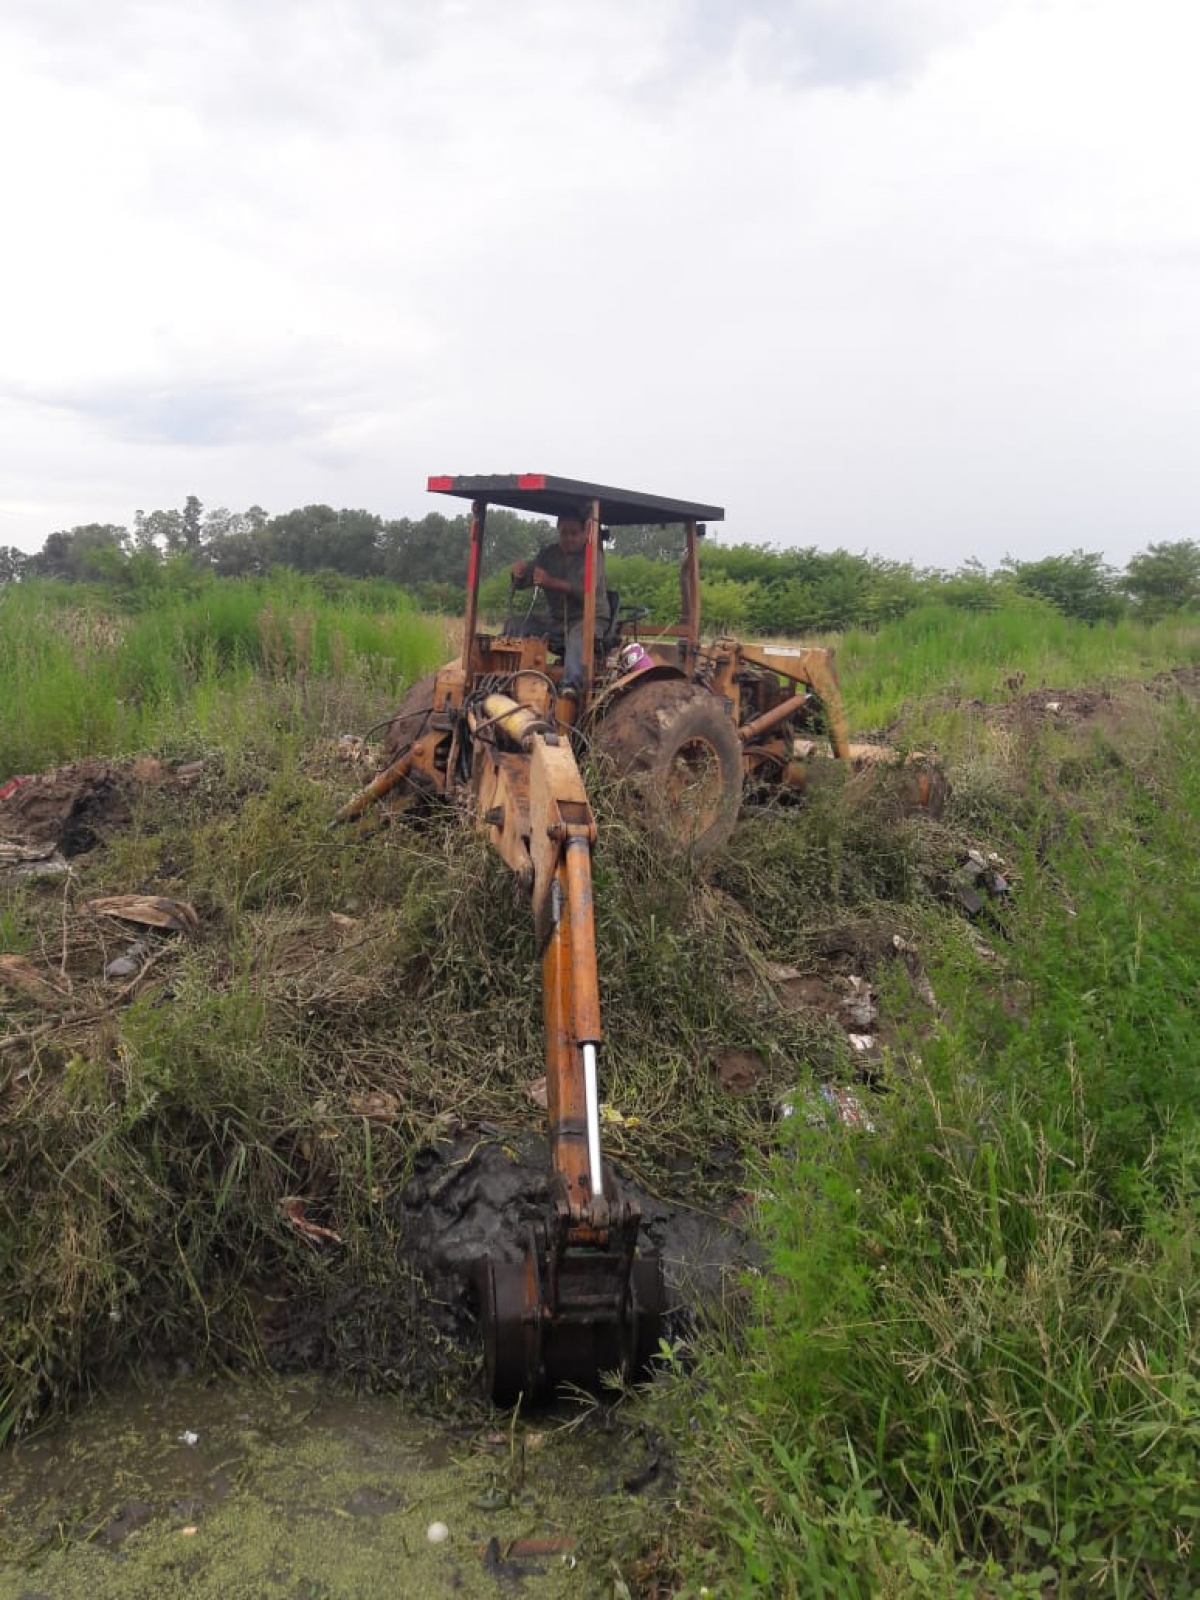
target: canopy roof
556 497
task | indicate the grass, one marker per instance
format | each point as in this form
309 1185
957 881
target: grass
920 667
79 677
153 1135
974 1363
967 1363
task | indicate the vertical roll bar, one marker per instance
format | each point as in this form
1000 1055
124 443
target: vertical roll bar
591 564
474 571
689 593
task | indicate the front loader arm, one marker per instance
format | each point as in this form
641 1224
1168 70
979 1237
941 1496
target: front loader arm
809 665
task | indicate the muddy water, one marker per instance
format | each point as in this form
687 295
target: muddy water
292 1488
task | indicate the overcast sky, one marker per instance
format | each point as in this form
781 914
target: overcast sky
913 277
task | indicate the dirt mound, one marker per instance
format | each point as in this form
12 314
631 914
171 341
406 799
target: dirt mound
57 810
1180 679
1092 703
476 1197
1015 707
64 813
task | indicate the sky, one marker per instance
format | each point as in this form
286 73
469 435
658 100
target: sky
915 278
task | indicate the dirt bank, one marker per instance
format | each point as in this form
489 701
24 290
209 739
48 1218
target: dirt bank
292 1075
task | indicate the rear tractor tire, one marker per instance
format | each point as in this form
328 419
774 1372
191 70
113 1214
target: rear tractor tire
674 746
410 718
413 717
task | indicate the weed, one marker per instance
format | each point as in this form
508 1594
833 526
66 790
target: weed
973 1364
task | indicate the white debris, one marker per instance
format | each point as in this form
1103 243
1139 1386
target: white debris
188 1437
858 1007
830 1101
437 1533
849 1108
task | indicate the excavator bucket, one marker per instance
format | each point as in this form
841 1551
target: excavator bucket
568 1318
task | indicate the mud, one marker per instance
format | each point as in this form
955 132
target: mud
61 809
413 1329
69 810
292 1488
476 1197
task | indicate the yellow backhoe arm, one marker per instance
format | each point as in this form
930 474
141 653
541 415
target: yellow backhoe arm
583 1301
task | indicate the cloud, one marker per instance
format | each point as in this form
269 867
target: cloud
824 43
191 414
296 64
911 276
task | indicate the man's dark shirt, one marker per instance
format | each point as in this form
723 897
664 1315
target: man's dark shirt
554 561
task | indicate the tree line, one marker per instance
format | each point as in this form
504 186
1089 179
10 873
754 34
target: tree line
746 587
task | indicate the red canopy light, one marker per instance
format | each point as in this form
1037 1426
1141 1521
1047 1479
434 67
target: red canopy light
531 480
440 485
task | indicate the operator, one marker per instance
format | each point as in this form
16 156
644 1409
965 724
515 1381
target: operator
559 570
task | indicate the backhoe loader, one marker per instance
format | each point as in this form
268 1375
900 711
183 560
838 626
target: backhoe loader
689 727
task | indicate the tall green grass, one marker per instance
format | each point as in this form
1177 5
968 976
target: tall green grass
974 1361
943 653
79 677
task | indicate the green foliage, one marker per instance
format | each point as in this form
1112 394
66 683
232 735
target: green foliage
954 1357
1165 578
94 551
1080 585
13 563
642 581
658 543
1120 961
59 681
840 856
319 536
972 588
435 549
958 655
769 591
973 1363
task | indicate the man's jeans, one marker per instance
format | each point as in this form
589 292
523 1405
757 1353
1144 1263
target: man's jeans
573 660
572 674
